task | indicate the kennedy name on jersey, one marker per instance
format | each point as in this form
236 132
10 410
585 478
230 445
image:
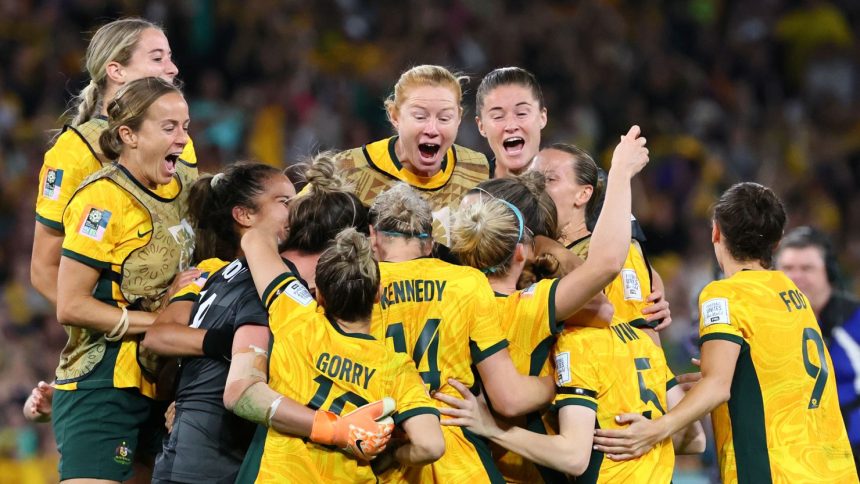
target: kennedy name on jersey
415 290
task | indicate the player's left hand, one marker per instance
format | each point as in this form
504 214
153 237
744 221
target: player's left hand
658 310
181 280
470 412
636 439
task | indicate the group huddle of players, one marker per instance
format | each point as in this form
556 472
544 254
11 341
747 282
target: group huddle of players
416 313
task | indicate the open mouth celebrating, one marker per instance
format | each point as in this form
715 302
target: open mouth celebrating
170 163
428 150
513 145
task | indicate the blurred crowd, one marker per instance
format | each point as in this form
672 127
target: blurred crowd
725 91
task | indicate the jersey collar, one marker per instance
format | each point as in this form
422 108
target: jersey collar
382 156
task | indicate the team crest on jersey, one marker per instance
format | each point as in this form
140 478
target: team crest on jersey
562 368
122 455
632 288
715 311
94 223
53 183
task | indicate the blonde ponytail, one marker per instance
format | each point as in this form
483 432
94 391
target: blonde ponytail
485 235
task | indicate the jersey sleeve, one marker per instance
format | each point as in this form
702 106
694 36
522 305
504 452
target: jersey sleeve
284 295
64 168
577 368
718 318
409 392
191 291
93 223
671 381
485 336
547 289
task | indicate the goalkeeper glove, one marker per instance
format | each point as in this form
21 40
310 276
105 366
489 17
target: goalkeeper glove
364 432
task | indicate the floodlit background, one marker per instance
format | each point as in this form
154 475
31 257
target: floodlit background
725 91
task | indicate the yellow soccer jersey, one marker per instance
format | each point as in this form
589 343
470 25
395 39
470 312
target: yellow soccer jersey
315 362
75 156
446 319
191 291
630 288
103 225
616 370
783 404
375 167
529 321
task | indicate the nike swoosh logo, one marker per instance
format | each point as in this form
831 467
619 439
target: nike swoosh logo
139 234
358 444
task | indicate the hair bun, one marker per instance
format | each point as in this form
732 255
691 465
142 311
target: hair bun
354 247
322 174
534 181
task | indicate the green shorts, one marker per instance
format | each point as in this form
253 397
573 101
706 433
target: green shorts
101 432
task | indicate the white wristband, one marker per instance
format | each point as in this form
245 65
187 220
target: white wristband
118 331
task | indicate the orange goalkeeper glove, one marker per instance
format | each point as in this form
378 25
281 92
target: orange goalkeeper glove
364 432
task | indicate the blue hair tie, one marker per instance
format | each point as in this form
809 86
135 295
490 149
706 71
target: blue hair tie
519 216
392 233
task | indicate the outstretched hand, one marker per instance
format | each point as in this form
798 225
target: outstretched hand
630 154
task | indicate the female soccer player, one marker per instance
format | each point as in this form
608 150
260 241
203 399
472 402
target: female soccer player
510 112
425 111
124 221
488 234
446 318
208 442
765 370
119 52
572 181
324 355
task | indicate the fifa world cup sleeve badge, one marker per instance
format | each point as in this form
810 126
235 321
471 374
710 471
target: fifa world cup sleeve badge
94 223
53 183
